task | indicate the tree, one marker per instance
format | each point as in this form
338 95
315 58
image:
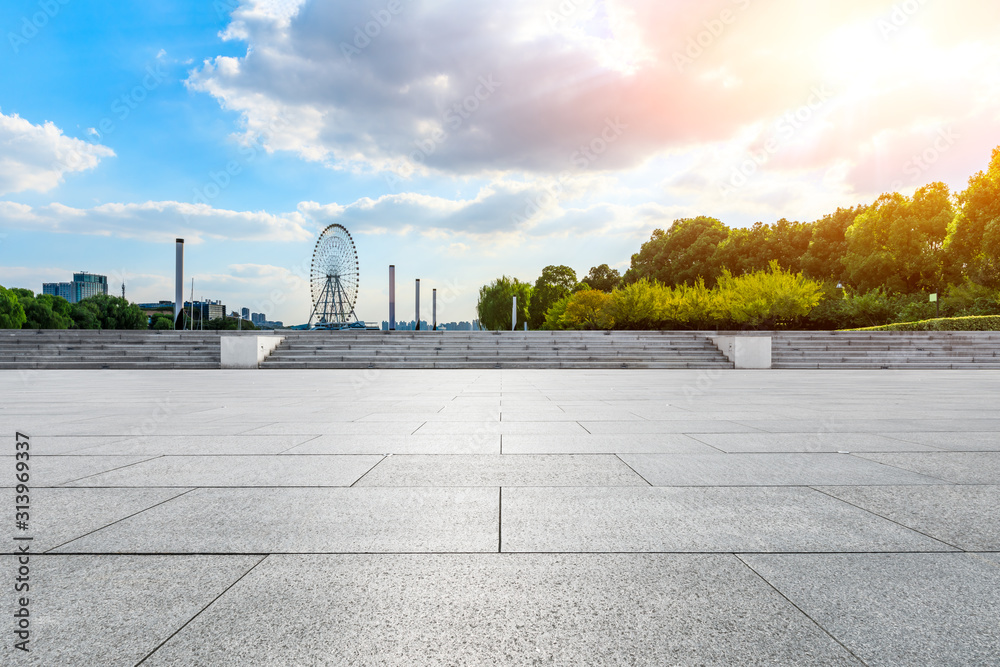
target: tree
107 312
588 310
496 302
11 311
751 249
227 324
554 283
603 278
85 315
46 311
682 254
162 322
898 242
766 298
974 238
828 245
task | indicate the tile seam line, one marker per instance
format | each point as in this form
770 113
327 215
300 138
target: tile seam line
201 611
127 465
618 456
800 610
80 537
481 552
282 451
352 485
857 455
902 525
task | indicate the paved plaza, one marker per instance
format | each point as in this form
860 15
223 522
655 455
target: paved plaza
501 517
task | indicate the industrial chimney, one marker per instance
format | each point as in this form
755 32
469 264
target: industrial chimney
179 286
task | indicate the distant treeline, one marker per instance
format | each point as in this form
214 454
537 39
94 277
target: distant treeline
864 266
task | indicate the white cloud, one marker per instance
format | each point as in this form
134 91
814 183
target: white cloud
158 222
37 157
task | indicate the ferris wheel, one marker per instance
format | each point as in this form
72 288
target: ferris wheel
333 279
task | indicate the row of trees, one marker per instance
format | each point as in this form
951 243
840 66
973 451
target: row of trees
872 264
22 309
901 244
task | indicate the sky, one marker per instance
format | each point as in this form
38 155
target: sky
459 140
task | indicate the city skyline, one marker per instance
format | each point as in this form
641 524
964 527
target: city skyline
556 132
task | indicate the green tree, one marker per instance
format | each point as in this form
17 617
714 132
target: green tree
603 278
751 249
824 260
46 311
766 299
108 312
162 322
226 324
682 254
496 302
554 283
974 238
898 242
588 309
85 315
11 311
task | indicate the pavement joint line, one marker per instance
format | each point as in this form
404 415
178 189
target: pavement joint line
596 554
617 456
78 537
896 467
500 521
286 450
384 457
584 428
188 622
696 439
418 428
127 465
902 525
800 610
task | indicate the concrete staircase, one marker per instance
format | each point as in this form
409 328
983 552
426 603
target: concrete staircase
87 349
886 349
533 349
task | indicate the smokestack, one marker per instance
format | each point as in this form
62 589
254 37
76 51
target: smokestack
392 297
179 286
418 305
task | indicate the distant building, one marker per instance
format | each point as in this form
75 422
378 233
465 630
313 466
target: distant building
245 313
84 285
258 318
207 310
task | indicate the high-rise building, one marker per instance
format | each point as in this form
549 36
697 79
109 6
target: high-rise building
84 285
245 312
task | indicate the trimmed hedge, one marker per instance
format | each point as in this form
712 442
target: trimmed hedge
982 323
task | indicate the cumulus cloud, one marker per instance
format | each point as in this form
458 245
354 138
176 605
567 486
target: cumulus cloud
157 222
533 87
38 157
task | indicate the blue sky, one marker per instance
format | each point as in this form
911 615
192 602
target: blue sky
459 141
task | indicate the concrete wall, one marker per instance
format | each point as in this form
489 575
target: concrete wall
247 351
749 352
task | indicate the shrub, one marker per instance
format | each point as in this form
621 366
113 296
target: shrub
765 299
987 323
